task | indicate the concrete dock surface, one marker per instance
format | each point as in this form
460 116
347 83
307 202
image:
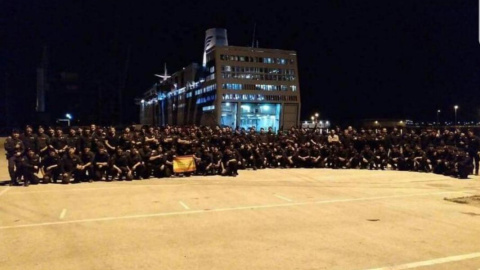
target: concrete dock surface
265 219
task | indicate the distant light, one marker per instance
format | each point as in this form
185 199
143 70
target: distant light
316 114
227 104
313 118
69 116
376 122
438 111
143 101
401 122
455 107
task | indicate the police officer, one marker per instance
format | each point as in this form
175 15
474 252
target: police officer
472 148
71 165
30 167
51 167
14 149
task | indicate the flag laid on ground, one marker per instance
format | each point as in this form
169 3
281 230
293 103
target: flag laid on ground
183 164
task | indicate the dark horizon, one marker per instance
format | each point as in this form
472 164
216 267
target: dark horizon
357 60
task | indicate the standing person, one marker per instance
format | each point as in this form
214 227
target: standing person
112 141
59 142
14 148
42 142
29 139
473 148
71 165
73 141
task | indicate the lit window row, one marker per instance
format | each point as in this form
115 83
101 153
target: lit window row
206 99
208 108
205 89
243 97
258 77
210 77
280 98
266 60
280 71
264 87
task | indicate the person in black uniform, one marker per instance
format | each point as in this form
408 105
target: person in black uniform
59 142
51 167
146 153
119 166
472 148
137 164
101 162
158 161
29 139
88 158
14 149
367 158
464 165
112 141
71 165
380 158
73 141
229 163
205 164
42 143
30 167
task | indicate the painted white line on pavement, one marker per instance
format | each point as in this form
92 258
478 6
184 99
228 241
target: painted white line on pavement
4 191
283 198
62 215
252 207
430 262
184 205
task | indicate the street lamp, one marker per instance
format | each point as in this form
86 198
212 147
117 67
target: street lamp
438 117
456 108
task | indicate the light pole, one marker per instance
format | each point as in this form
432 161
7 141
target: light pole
456 108
438 117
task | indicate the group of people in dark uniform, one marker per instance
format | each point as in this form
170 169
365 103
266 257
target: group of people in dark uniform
86 154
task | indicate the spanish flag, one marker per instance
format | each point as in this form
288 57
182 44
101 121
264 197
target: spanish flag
183 164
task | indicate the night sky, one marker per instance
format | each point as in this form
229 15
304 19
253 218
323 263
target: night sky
357 59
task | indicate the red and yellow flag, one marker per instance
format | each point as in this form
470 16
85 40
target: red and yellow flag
183 164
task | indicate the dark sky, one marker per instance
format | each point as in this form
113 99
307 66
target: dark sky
357 59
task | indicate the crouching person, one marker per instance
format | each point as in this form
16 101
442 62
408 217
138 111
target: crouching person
88 158
137 164
51 167
30 168
71 167
229 163
101 164
119 166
